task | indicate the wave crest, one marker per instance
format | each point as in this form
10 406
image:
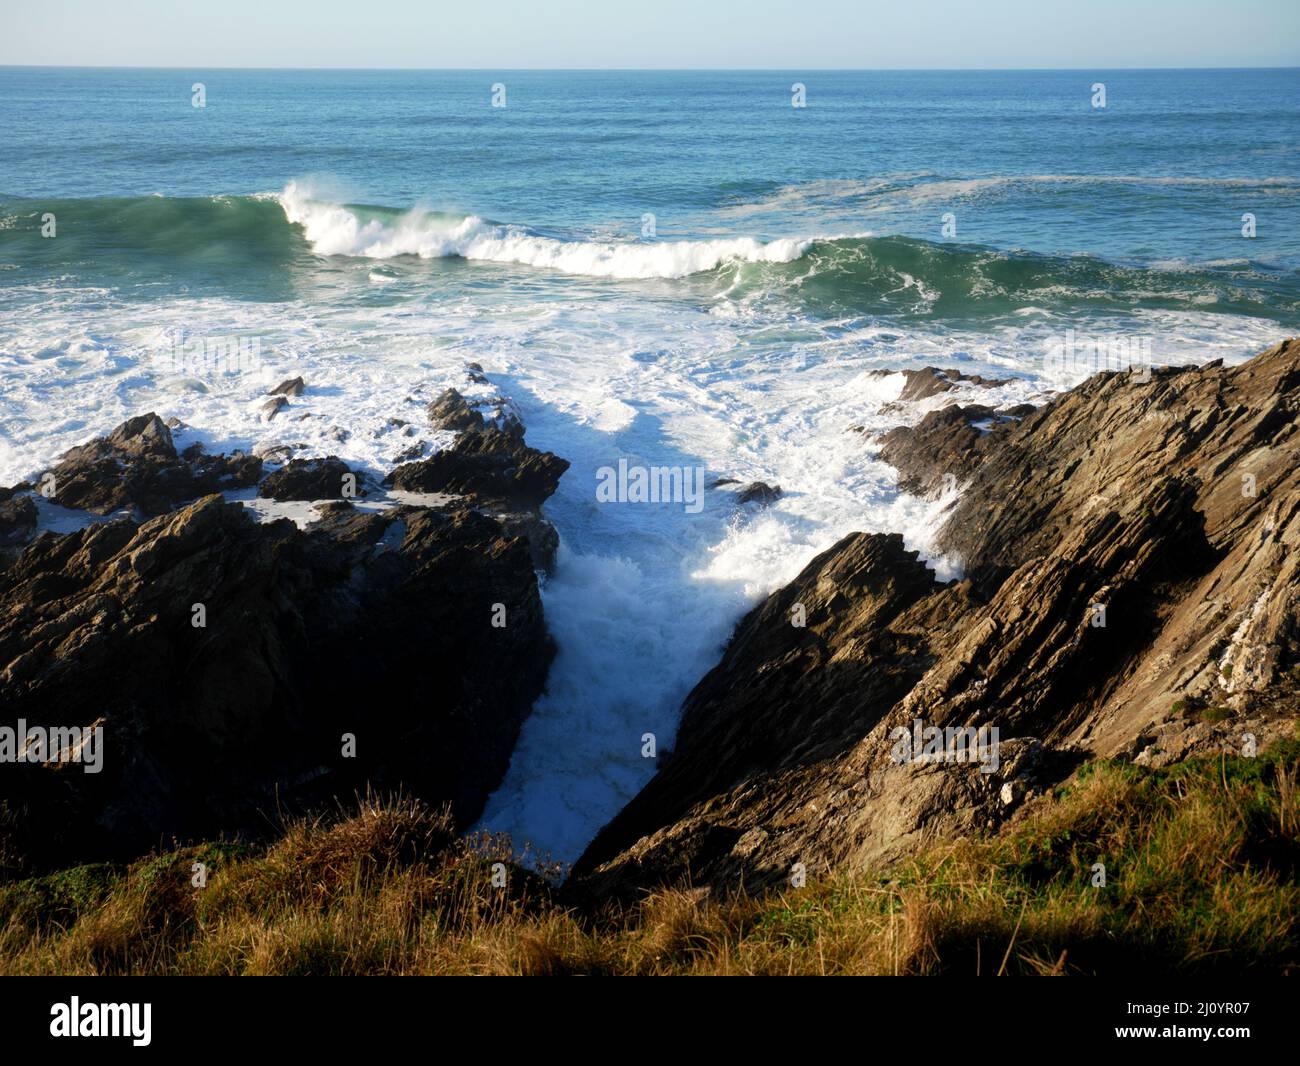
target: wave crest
335 229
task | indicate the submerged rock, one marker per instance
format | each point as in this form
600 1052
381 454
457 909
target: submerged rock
759 492
289 387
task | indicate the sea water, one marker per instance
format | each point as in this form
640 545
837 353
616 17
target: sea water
690 271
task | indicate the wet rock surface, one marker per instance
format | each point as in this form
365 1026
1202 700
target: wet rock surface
243 670
452 411
289 387
491 465
759 492
949 442
312 479
492 469
17 520
1130 554
137 466
931 381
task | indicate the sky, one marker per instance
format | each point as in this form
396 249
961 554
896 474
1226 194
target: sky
661 34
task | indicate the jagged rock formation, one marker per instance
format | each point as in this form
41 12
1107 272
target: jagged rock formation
947 443
137 466
491 467
931 381
17 517
311 479
377 625
452 411
1131 591
243 670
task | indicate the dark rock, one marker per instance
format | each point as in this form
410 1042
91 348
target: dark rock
137 466
289 387
492 465
1130 547
945 442
492 468
543 540
310 479
508 422
272 407
760 493
374 625
17 520
932 381
452 411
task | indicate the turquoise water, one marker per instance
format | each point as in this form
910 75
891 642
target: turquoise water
1023 160
374 231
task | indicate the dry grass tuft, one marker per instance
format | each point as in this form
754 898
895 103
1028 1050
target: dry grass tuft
1202 875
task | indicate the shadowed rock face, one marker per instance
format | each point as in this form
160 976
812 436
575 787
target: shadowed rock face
310 479
1131 561
377 625
242 670
490 464
17 520
491 467
137 466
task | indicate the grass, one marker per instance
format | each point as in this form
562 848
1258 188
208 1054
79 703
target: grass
1201 875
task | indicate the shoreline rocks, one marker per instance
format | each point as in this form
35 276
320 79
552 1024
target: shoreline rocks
1130 553
492 468
311 479
137 466
244 670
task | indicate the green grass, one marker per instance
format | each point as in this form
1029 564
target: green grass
1202 876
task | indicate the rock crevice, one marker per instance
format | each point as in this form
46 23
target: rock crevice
1131 592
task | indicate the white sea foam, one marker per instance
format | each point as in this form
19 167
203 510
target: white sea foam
333 229
643 597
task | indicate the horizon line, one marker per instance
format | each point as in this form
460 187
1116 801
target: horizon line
640 70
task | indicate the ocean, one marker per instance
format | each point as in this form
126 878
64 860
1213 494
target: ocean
672 269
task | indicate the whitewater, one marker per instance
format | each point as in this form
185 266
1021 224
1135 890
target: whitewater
667 269
643 597
334 229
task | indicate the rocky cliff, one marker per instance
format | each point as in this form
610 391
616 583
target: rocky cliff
244 669
1130 591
